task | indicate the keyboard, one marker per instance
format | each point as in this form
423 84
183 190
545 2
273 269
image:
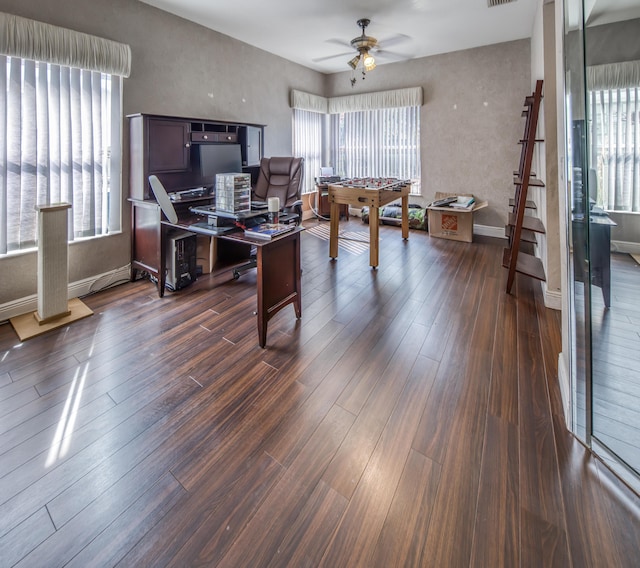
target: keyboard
203 209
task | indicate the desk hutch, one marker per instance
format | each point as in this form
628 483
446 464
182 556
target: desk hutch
167 146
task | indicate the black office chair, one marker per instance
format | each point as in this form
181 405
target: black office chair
279 177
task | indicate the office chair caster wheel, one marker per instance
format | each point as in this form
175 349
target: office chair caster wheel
236 274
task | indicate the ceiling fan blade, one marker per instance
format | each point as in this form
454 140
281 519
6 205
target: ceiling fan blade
385 54
326 58
394 40
340 42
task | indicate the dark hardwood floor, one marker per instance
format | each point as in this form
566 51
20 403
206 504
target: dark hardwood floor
411 418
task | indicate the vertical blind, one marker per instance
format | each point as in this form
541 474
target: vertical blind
378 143
60 128
307 144
55 147
615 135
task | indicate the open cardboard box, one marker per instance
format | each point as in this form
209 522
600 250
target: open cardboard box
452 223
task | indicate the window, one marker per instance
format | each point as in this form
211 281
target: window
378 143
307 144
60 129
58 146
615 132
372 134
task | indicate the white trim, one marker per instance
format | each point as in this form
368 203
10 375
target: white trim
76 290
625 246
552 298
488 231
565 390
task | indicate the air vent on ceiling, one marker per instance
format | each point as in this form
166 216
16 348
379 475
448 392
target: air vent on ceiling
492 3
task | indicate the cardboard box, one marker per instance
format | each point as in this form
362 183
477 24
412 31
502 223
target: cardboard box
206 254
451 223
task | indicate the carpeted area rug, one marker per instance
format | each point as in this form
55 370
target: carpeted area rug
355 242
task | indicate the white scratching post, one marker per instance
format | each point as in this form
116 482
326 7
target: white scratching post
53 262
54 309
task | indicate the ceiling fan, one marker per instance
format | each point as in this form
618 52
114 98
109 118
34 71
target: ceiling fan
363 45
366 46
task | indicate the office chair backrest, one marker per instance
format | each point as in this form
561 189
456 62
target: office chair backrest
279 177
163 199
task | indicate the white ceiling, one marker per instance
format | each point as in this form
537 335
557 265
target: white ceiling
316 33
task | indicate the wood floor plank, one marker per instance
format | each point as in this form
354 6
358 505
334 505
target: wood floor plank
258 542
88 539
435 430
209 518
310 533
503 397
409 516
586 510
20 541
497 514
327 378
455 506
27 487
355 538
542 520
347 466
26 443
225 414
358 389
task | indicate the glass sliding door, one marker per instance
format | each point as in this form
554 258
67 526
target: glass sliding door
603 129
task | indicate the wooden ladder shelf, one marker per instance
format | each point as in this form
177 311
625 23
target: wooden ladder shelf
521 227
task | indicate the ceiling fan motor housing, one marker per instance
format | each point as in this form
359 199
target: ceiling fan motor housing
363 43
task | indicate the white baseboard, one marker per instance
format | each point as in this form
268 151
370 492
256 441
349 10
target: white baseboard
487 231
625 246
76 290
552 298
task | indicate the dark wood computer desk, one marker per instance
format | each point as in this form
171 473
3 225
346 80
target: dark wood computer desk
278 259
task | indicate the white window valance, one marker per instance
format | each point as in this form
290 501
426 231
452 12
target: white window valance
306 101
396 98
30 39
613 75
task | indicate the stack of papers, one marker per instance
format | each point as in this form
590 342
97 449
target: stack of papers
463 202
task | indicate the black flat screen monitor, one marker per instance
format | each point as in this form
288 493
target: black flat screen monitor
219 159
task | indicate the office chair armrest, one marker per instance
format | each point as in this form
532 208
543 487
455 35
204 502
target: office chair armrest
296 209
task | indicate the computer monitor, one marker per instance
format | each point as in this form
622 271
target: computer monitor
218 159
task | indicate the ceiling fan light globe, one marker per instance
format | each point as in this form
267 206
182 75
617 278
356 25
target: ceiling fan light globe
369 62
354 62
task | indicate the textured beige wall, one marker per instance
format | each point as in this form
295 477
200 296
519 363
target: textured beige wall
470 121
178 68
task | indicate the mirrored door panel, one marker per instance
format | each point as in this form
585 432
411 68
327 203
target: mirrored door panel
607 300
612 57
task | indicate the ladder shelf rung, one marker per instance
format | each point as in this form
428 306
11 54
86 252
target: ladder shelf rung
530 223
534 182
526 264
